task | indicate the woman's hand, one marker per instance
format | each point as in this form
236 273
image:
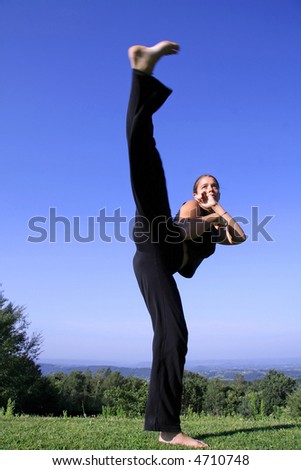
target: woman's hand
207 200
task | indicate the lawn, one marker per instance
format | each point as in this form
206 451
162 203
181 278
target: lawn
127 433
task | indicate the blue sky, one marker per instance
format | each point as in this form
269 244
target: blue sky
235 112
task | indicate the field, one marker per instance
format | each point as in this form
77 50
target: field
231 433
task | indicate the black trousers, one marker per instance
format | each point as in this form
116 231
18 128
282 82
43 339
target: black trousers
159 255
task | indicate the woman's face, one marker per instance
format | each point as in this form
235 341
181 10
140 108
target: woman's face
207 186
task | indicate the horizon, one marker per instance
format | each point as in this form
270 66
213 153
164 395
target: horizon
146 364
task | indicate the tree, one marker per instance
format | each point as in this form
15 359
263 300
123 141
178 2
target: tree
194 390
18 352
216 397
236 394
74 393
81 393
128 397
294 404
276 388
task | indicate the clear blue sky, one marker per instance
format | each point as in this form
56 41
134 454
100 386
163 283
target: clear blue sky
235 112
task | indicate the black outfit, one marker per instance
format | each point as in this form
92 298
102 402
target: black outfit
159 243
198 249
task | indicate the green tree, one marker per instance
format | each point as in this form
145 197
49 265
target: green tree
276 388
294 404
194 390
216 397
18 353
236 394
75 393
127 397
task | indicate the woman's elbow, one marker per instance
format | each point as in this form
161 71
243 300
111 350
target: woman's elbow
239 240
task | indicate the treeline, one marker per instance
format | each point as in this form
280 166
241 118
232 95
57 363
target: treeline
23 388
109 393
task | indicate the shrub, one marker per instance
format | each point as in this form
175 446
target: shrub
294 404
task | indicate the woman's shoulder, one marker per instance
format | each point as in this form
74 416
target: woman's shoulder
190 203
189 209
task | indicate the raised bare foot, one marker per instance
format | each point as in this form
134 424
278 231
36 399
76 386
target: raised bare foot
181 439
145 58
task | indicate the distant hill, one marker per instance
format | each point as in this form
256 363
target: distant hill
224 370
140 372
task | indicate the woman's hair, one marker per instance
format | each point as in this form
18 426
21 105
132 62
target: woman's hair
195 186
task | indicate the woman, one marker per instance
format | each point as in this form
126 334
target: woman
166 246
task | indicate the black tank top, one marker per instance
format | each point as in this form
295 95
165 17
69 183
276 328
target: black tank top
198 249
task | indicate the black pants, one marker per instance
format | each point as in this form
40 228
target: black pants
159 255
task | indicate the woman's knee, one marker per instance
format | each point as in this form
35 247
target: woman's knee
172 343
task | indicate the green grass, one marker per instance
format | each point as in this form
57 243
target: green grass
127 433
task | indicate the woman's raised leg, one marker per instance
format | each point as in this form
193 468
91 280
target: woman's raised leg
154 276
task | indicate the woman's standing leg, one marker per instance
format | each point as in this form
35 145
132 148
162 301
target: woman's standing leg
162 299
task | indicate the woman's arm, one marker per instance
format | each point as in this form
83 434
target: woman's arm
194 225
230 232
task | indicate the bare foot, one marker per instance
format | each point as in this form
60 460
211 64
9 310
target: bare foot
181 439
145 58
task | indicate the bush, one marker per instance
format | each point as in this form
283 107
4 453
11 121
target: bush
294 404
194 390
215 401
276 387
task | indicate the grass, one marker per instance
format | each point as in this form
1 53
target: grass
111 433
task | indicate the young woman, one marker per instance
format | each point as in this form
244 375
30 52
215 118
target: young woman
166 245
